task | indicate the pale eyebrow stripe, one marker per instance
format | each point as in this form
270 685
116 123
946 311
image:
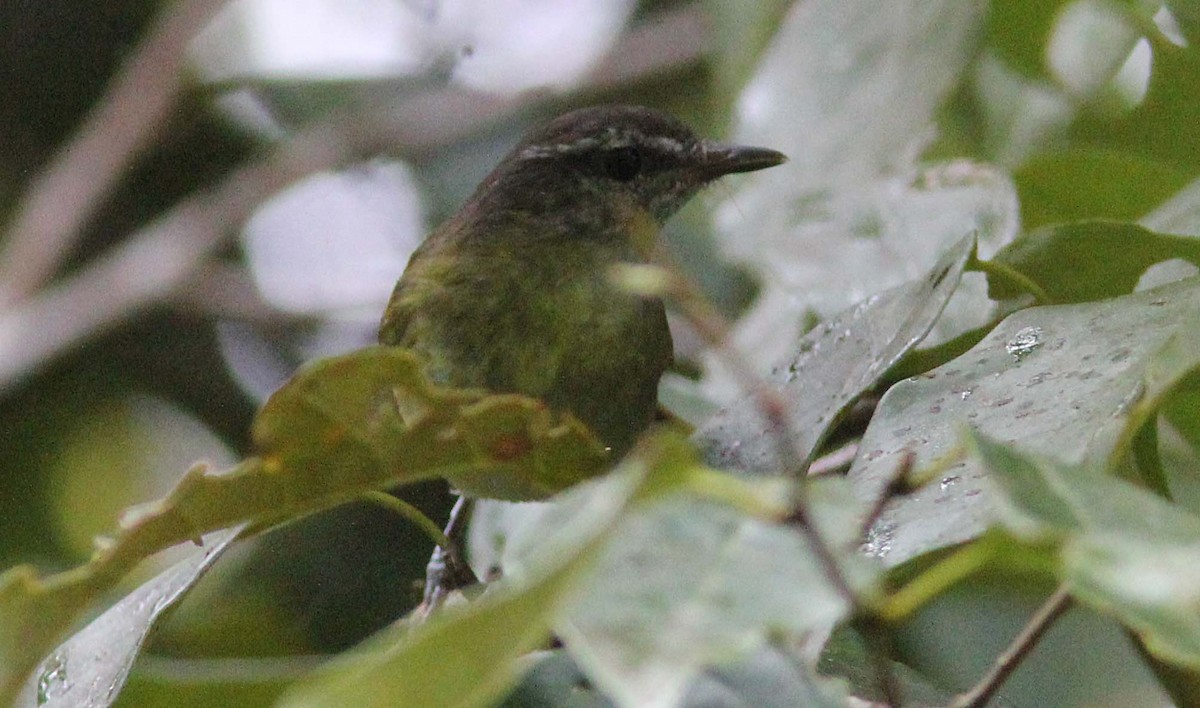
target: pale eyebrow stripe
534 152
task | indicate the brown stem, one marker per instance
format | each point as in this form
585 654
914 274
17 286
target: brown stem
835 462
1058 603
711 325
898 484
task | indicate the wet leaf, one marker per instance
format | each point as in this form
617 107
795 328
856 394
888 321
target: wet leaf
1063 381
669 598
837 362
90 668
687 585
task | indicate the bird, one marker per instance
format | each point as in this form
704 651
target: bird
514 294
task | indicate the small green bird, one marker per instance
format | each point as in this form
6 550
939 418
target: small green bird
513 293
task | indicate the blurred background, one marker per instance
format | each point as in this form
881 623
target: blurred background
197 196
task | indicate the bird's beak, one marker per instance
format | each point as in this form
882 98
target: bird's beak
718 159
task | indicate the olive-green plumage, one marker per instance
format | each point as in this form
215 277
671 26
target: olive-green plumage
513 293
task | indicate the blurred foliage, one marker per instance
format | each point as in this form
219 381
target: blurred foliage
1061 133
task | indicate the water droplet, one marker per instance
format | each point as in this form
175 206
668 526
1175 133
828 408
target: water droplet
1039 378
950 481
53 679
966 393
1024 342
879 540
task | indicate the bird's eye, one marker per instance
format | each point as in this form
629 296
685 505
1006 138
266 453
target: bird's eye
623 164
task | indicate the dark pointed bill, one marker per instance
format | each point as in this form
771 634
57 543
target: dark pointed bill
727 159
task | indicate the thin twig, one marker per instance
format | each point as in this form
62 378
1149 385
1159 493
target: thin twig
898 484
448 570
667 41
1058 603
64 195
834 462
711 325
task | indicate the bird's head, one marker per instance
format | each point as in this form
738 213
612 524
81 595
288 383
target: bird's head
587 165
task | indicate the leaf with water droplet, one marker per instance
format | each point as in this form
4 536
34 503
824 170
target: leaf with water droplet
1081 393
837 362
90 667
1024 342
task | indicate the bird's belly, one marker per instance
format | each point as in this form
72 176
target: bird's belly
599 357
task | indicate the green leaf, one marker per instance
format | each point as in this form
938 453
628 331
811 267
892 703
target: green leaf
1170 374
1085 183
1123 550
1019 31
1063 381
340 427
469 656
668 599
740 32
1090 260
1154 129
768 678
846 655
369 418
1178 215
836 363
554 680
1187 15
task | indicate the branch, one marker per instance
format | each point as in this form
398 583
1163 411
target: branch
63 196
156 261
1058 603
666 278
